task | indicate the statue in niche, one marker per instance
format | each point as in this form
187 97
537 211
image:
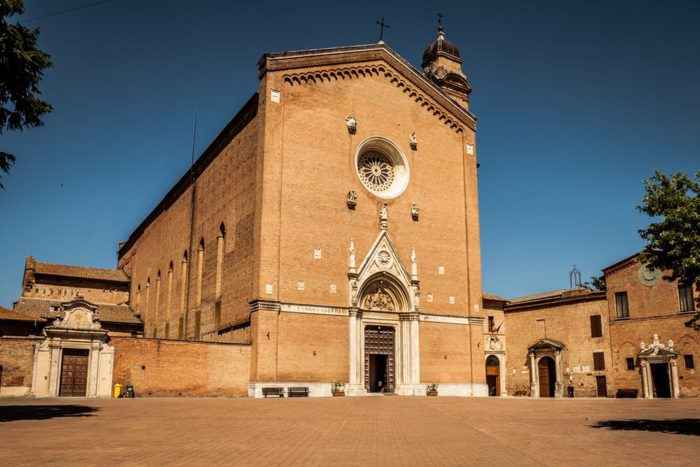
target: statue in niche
352 125
379 300
415 212
384 216
414 141
352 199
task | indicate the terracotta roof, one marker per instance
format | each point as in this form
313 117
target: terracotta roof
38 307
538 296
490 296
106 313
82 272
554 297
116 314
6 314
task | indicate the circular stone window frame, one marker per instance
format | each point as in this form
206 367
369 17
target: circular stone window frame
402 171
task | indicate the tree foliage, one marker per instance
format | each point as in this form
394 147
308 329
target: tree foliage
597 283
21 68
673 238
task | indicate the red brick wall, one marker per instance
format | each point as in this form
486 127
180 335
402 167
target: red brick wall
16 359
159 367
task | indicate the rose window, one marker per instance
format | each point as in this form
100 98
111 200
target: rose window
376 170
381 167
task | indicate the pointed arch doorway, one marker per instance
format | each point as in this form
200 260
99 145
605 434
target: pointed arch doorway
380 359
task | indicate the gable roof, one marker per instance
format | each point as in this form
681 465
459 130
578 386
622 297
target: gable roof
300 59
81 272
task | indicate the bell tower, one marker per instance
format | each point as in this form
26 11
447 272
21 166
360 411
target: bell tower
442 63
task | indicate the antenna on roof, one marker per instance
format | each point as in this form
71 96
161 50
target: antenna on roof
574 278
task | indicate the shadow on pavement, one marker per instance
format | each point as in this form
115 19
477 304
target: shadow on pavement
43 412
681 426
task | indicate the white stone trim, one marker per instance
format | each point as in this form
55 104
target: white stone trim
460 389
463 320
15 391
313 309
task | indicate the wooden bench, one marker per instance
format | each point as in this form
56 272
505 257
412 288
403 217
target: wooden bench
626 393
298 392
279 392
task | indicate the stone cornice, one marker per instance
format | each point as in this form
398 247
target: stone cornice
321 65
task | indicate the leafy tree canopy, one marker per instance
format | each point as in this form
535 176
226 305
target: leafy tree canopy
673 238
596 283
21 68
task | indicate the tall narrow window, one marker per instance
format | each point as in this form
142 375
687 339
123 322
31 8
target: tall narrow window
596 327
200 273
621 305
169 300
598 361
492 326
685 297
147 314
630 363
138 299
220 239
183 284
689 363
157 307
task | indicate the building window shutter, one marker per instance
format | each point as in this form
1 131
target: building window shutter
596 327
685 297
621 305
598 361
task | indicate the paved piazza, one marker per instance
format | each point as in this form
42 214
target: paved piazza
349 431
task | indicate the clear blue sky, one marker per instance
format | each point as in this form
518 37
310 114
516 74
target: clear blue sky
578 102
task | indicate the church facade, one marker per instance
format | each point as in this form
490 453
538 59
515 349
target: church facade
333 225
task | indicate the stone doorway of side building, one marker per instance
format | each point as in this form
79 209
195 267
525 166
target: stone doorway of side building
74 371
493 376
660 379
379 359
547 371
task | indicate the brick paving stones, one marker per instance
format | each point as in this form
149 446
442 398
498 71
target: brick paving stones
348 431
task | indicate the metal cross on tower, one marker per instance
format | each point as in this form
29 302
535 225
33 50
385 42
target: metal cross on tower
439 16
382 25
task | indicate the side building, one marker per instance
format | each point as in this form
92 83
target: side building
653 352
55 340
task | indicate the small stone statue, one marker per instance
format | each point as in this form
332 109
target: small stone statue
352 125
414 266
415 212
352 199
384 216
414 141
351 257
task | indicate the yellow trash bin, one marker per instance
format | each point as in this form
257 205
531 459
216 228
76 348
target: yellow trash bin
117 390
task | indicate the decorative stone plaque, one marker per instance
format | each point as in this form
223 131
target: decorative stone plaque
648 277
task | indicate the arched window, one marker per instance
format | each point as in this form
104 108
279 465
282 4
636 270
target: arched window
157 307
147 314
220 245
183 295
138 299
200 273
169 298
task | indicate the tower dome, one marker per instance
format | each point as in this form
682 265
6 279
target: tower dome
440 47
442 64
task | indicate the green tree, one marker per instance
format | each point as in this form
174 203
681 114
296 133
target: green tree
596 283
673 238
21 68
